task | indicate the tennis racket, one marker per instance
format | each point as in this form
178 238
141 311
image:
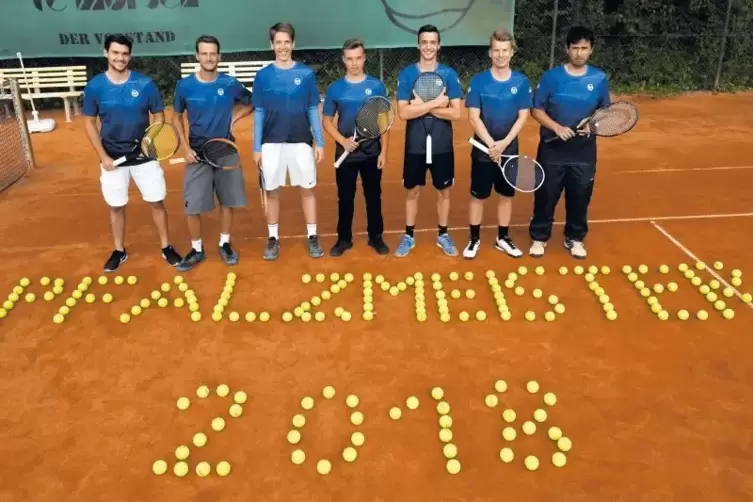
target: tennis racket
521 172
428 86
374 118
220 153
616 119
160 142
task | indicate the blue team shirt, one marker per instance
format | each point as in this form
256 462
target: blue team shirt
210 106
568 99
285 95
500 101
344 98
441 132
123 110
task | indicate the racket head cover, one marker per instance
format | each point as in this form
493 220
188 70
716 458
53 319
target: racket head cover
429 85
221 153
523 173
614 120
160 141
375 117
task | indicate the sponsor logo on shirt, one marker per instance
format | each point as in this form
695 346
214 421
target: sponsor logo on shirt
134 93
297 81
220 91
368 92
514 90
590 87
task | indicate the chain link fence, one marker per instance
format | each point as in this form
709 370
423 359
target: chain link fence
15 149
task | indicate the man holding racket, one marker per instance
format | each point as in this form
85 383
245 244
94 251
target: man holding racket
443 110
344 98
566 96
498 102
286 123
214 102
122 100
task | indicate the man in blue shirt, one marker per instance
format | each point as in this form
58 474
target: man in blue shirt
344 97
565 97
445 109
286 123
498 102
122 100
214 102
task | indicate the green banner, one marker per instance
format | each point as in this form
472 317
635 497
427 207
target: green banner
68 28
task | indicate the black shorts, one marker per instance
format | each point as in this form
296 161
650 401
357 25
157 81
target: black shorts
442 170
484 175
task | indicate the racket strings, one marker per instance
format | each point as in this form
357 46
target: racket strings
523 173
375 118
160 142
617 119
221 153
429 86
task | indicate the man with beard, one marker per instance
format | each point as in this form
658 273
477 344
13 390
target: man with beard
498 102
214 102
566 96
286 123
444 109
344 99
122 100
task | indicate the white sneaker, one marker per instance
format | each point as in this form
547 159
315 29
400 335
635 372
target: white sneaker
537 249
506 245
471 250
577 249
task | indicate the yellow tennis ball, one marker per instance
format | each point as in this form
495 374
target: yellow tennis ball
298 457
443 408
44 281
450 450
159 467
182 452
346 316
464 316
356 418
183 403
294 436
124 318
531 462
203 469
299 421
506 455
223 468
58 318
323 467
287 316
357 438
445 421
683 315
132 280
350 454
412 403
196 316
530 316
529 427
453 466
445 435
437 393
728 314
199 439
509 434
264 316
540 415
395 413
747 297
559 459
307 403
612 315
306 278
555 433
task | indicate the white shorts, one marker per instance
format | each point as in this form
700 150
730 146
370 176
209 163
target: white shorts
149 178
279 159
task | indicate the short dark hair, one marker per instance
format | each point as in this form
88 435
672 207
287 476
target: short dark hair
429 28
281 28
353 43
207 39
578 33
118 38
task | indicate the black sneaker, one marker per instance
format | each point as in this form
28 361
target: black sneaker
228 254
340 247
171 256
379 246
192 259
115 259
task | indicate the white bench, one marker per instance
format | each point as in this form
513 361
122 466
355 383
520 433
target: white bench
64 82
244 71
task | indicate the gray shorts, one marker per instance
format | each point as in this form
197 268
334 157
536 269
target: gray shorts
201 182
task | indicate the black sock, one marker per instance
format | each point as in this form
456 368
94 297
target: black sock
475 232
442 230
502 232
409 230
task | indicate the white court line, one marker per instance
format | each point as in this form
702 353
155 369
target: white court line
696 259
557 223
683 169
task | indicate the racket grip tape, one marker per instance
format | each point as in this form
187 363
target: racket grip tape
478 145
177 161
428 149
342 158
119 161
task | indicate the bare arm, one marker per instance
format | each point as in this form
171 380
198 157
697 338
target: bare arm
409 110
517 126
474 117
545 120
452 112
328 123
159 117
92 132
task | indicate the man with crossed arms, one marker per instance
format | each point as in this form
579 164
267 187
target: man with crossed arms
214 102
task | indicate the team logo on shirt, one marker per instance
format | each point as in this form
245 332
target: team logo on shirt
514 90
368 92
297 81
134 93
220 92
590 87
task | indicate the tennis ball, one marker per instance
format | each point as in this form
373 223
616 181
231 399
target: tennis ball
328 392
323 467
480 315
222 468
672 287
683 315
307 403
437 393
183 403
356 418
350 454
306 278
199 439
357 438
500 386
346 316
530 316
537 293
463 316
539 270
564 443
450 450
531 462
182 452
509 416
294 437
412 403
550 399
299 421
453 466
540 415
287 317
264 317
202 391
529 427
216 316
203 469
445 421
443 408
506 455
125 318
58 318
728 314
559 459
132 280
319 316
445 435
297 457
395 413
747 298
736 281
520 290
509 434
491 400
159 467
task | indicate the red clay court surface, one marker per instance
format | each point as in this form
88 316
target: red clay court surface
656 410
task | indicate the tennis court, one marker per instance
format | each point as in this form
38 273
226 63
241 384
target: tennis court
655 410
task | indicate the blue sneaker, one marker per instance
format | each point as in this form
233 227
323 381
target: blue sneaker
444 242
406 244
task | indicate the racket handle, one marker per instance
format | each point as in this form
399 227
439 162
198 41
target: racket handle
177 161
119 161
478 145
342 158
428 149
549 140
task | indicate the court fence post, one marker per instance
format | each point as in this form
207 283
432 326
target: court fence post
554 33
723 46
381 65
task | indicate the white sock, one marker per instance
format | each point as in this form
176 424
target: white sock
311 229
273 230
197 245
224 239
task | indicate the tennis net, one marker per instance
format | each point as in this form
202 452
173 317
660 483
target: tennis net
15 146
